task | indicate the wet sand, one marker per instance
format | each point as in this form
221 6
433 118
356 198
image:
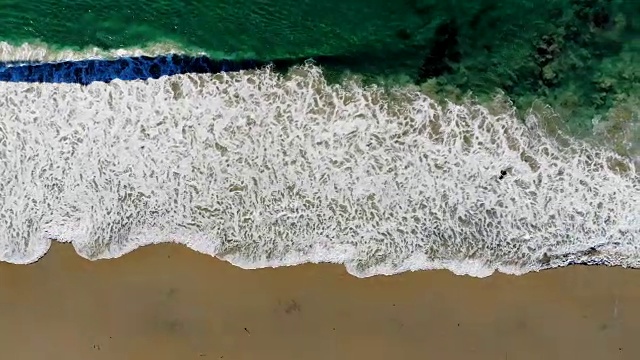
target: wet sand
168 302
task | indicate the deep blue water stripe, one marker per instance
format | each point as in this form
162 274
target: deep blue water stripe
126 68
147 67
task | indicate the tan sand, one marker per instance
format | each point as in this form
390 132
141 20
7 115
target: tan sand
168 302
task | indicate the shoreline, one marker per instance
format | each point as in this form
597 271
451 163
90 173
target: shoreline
167 301
588 258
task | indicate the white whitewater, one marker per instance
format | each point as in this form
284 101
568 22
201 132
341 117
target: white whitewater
42 53
263 171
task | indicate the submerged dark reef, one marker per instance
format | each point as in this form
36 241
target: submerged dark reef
580 56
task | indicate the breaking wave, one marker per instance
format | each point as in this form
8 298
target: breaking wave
262 169
29 52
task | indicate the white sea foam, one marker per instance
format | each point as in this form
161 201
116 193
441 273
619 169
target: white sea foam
263 170
28 52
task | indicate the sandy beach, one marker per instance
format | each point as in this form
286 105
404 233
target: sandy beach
168 302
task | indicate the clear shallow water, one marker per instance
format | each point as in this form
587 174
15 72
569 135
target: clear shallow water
265 170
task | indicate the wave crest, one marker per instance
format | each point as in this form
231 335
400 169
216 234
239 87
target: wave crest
34 52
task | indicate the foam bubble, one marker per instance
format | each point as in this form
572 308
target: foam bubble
32 52
263 170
